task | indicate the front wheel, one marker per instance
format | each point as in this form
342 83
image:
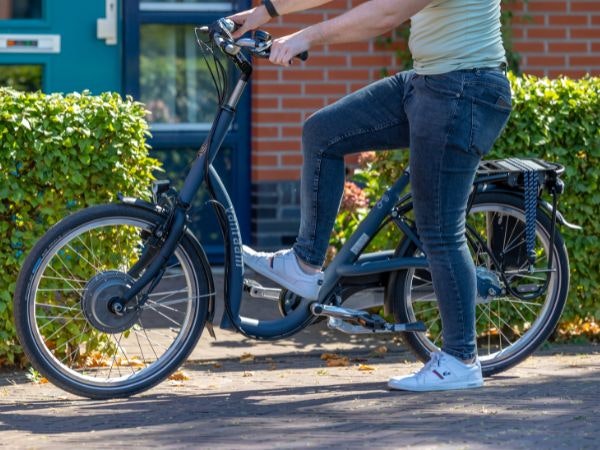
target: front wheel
508 327
69 330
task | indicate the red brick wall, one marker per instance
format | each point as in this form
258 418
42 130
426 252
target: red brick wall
558 37
553 37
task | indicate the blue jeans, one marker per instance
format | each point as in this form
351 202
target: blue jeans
449 122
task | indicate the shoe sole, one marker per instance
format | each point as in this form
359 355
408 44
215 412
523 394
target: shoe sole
446 387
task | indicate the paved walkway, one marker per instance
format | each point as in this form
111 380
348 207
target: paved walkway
291 400
243 394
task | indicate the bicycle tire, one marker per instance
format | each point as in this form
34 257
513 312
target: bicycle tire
523 338
63 286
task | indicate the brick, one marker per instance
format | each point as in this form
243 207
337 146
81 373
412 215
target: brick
585 6
576 60
295 132
279 117
275 174
326 61
572 73
260 131
546 6
568 19
265 103
277 89
352 47
276 146
265 74
264 160
585 33
595 19
349 74
326 88
567 47
533 71
311 103
547 33
292 160
304 75
529 46
376 60
533 60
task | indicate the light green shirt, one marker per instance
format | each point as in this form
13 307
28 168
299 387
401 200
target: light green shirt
452 35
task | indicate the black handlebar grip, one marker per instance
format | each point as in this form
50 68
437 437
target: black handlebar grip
302 56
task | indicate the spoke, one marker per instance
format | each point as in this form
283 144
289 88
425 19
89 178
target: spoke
97 269
499 328
63 278
92 253
167 294
162 305
68 308
154 343
77 280
164 315
118 342
148 339
424 311
61 328
140 347
65 266
62 290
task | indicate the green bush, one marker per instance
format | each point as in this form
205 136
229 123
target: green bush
59 154
556 120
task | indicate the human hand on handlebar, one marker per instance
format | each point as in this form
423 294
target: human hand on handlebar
285 48
249 20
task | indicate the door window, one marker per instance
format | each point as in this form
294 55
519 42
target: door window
21 77
174 81
20 9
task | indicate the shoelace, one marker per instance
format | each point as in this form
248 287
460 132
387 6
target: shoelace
436 359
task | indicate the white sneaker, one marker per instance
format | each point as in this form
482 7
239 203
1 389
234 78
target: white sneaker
282 267
442 372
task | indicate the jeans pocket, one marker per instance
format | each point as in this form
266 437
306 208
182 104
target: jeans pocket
488 121
449 84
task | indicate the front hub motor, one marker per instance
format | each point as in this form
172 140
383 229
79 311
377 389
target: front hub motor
101 306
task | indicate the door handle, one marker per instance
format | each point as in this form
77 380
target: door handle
107 27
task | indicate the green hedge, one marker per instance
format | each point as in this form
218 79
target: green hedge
557 120
59 154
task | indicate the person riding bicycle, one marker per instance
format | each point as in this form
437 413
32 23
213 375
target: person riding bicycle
448 111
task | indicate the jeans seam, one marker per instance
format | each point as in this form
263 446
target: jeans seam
359 131
438 211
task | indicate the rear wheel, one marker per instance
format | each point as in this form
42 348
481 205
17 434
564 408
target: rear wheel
64 304
509 328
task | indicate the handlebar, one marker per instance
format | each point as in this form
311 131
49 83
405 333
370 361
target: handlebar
259 44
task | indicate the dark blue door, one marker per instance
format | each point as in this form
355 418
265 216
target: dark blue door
164 69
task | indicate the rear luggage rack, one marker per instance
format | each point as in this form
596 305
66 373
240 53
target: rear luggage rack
512 172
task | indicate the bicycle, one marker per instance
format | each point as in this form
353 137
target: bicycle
132 288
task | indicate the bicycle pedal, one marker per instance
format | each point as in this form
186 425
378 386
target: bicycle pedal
257 290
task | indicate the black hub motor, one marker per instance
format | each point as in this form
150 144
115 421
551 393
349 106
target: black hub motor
101 306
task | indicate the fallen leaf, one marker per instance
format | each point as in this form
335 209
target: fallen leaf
326 356
247 358
180 375
365 367
338 362
381 350
248 374
217 365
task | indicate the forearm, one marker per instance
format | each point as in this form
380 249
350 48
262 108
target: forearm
367 20
290 6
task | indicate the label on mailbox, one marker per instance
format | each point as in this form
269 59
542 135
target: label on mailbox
29 43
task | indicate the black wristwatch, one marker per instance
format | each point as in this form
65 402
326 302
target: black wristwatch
270 8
